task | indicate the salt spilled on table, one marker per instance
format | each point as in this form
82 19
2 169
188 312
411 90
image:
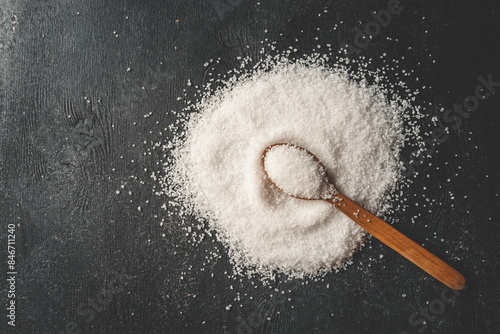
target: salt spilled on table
213 171
296 172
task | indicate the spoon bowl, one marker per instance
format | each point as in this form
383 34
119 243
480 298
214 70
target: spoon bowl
264 155
381 230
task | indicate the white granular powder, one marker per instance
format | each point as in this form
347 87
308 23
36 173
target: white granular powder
215 172
297 173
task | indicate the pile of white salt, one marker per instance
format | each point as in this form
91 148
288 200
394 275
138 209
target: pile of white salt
215 174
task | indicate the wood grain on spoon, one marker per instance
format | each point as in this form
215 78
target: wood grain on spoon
400 243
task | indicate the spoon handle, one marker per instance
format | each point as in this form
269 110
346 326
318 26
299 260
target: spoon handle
400 243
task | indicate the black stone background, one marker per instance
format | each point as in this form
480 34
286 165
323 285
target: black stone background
71 115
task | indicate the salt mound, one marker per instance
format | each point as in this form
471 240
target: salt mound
216 173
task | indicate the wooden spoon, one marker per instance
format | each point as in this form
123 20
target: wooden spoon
388 235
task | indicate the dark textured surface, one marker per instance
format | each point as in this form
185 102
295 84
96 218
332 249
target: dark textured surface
72 131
